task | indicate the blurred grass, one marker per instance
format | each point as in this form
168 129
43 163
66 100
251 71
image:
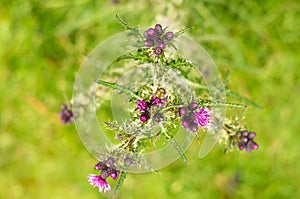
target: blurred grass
42 45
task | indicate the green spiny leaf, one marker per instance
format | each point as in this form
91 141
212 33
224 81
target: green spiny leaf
118 88
121 180
243 99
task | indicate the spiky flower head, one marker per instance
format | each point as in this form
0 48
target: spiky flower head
246 141
100 183
202 117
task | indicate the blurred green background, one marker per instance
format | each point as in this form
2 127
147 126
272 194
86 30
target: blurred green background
42 44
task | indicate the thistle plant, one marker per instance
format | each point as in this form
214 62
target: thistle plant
161 98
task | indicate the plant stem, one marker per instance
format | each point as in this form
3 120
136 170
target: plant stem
175 144
209 103
117 87
121 180
170 107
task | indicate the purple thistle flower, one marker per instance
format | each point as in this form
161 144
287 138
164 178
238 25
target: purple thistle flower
118 137
158 51
105 173
193 106
158 29
100 166
251 145
181 111
169 36
97 181
246 141
114 174
202 117
193 126
148 43
157 101
141 105
160 44
150 34
241 145
128 161
158 117
145 116
186 121
66 115
110 161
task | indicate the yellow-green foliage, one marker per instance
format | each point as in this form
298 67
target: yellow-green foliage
42 44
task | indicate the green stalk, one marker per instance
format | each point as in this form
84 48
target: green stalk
175 144
170 107
182 31
209 103
121 180
243 99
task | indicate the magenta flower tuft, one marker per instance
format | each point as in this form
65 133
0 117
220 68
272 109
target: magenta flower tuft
158 29
148 43
181 111
158 51
66 115
169 36
150 33
114 174
97 181
141 105
202 117
145 116
100 166
157 101
246 141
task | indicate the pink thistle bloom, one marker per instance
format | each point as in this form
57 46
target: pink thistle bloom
114 174
202 117
157 101
97 181
141 105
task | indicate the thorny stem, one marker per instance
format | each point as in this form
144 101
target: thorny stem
209 103
196 85
121 180
117 87
229 93
127 26
182 31
175 144
170 107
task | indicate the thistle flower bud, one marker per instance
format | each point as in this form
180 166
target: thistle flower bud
193 106
158 51
193 126
169 36
185 121
158 29
161 45
251 135
158 117
145 116
150 34
105 173
181 111
148 43
246 141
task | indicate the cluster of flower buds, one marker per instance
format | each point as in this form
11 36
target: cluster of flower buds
145 107
66 115
194 117
156 38
246 141
106 169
